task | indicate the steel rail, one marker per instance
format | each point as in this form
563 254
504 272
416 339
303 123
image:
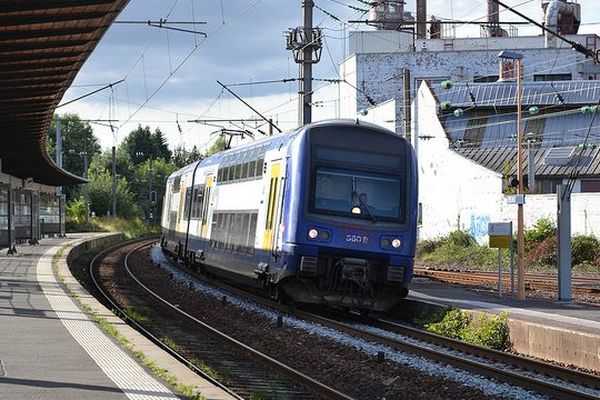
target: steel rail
295 375
144 331
482 368
478 367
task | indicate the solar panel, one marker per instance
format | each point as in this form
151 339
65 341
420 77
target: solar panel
559 156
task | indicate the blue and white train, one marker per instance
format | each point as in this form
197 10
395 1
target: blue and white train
323 214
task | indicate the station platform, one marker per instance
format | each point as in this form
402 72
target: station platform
51 349
566 332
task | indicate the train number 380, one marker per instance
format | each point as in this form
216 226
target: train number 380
357 239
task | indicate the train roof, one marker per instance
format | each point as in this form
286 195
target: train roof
276 141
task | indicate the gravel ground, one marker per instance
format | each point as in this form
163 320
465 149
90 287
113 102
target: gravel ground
347 363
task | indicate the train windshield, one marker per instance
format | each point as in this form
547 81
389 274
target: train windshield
358 194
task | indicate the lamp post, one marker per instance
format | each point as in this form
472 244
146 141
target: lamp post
510 66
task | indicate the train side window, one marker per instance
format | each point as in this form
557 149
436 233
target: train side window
259 167
220 175
251 169
238 171
186 206
230 173
239 233
244 173
252 231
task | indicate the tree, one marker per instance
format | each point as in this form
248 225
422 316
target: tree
139 184
141 144
100 188
221 144
183 157
78 138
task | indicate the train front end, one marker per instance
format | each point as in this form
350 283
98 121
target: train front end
352 217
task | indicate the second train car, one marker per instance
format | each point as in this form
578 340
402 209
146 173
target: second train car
323 214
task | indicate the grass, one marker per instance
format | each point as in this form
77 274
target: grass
190 392
131 229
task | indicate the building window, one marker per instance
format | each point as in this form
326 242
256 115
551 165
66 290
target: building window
485 78
548 186
590 186
552 77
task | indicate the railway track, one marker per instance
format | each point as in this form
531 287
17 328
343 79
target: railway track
589 286
548 379
247 370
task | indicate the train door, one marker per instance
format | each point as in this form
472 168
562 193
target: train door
208 188
273 205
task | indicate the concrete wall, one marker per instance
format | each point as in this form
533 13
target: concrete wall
383 114
394 41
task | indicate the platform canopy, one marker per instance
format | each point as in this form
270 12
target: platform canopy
43 45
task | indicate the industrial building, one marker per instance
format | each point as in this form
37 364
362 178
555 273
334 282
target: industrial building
464 130
416 49
42 48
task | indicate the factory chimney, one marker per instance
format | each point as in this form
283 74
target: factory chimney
421 19
388 14
494 20
562 17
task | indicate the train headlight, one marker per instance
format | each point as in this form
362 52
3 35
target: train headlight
313 233
396 243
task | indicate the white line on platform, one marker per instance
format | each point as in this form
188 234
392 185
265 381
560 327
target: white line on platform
123 370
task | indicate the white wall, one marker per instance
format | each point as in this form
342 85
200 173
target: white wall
454 191
383 114
585 211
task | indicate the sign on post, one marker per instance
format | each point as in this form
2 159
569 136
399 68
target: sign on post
500 234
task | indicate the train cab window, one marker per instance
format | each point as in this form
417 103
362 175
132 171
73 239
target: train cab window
220 175
357 194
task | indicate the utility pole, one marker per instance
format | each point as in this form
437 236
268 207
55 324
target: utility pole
114 182
407 100
59 160
151 215
86 192
520 212
306 44
564 243
508 71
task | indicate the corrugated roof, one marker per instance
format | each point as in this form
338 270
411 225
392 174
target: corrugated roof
553 127
504 160
43 44
504 94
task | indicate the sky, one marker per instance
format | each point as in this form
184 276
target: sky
171 77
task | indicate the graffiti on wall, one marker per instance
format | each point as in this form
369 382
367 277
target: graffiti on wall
479 227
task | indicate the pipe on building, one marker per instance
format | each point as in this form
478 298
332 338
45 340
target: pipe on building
422 19
555 9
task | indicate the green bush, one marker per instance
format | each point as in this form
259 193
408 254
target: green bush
427 246
460 238
542 230
452 326
486 331
584 249
489 331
